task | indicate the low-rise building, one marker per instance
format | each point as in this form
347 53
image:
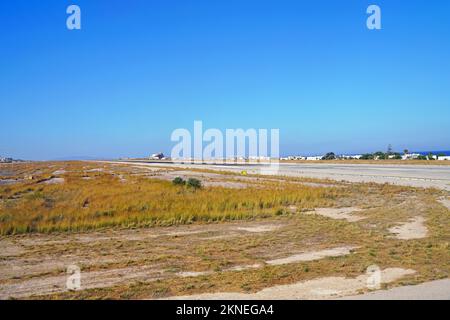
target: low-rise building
349 157
157 156
410 156
314 158
293 158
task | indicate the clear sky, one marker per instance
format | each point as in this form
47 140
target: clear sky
138 69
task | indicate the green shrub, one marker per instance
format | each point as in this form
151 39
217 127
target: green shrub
178 181
329 156
194 183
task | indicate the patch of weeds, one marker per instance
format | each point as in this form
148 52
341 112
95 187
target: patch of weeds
178 181
193 183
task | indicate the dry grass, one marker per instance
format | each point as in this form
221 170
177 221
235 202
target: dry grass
428 256
105 200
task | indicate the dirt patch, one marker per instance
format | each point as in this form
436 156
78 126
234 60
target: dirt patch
445 202
322 288
186 274
414 229
54 181
10 249
226 184
338 213
95 170
245 267
5 182
89 280
260 228
313 255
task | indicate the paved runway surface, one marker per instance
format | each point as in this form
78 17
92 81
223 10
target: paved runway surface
434 290
426 176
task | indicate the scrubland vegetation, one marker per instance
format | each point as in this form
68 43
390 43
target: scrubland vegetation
92 214
97 199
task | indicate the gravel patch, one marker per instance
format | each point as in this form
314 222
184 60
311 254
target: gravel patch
338 213
313 255
414 229
321 288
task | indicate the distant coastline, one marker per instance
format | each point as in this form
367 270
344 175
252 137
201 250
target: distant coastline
424 153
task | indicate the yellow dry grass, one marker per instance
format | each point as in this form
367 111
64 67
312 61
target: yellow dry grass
105 200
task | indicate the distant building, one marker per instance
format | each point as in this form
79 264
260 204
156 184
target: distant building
444 158
260 158
293 158
314 158
410 156
157 156
5 160
350 157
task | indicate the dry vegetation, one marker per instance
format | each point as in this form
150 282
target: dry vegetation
48 226
92 199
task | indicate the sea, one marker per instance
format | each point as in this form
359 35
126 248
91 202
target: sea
446 152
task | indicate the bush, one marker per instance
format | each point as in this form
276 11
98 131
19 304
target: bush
178 181
367 156
194 183
329 156
379 155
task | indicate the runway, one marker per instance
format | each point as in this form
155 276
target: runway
425 176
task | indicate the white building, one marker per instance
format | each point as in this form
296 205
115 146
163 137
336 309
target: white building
293 158
314 158
410 156
444 158
349 157
157 156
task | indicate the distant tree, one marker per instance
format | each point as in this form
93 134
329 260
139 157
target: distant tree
397 156
380 155
406 151
367 156
329 156
441 154
430 156
422 157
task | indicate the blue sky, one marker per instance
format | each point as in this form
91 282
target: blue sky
139 69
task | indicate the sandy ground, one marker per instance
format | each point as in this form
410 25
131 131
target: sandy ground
36 263
94 279
445 202
338 213
261 228
425 176
54 181
322 288
313 255
4 182
413 229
